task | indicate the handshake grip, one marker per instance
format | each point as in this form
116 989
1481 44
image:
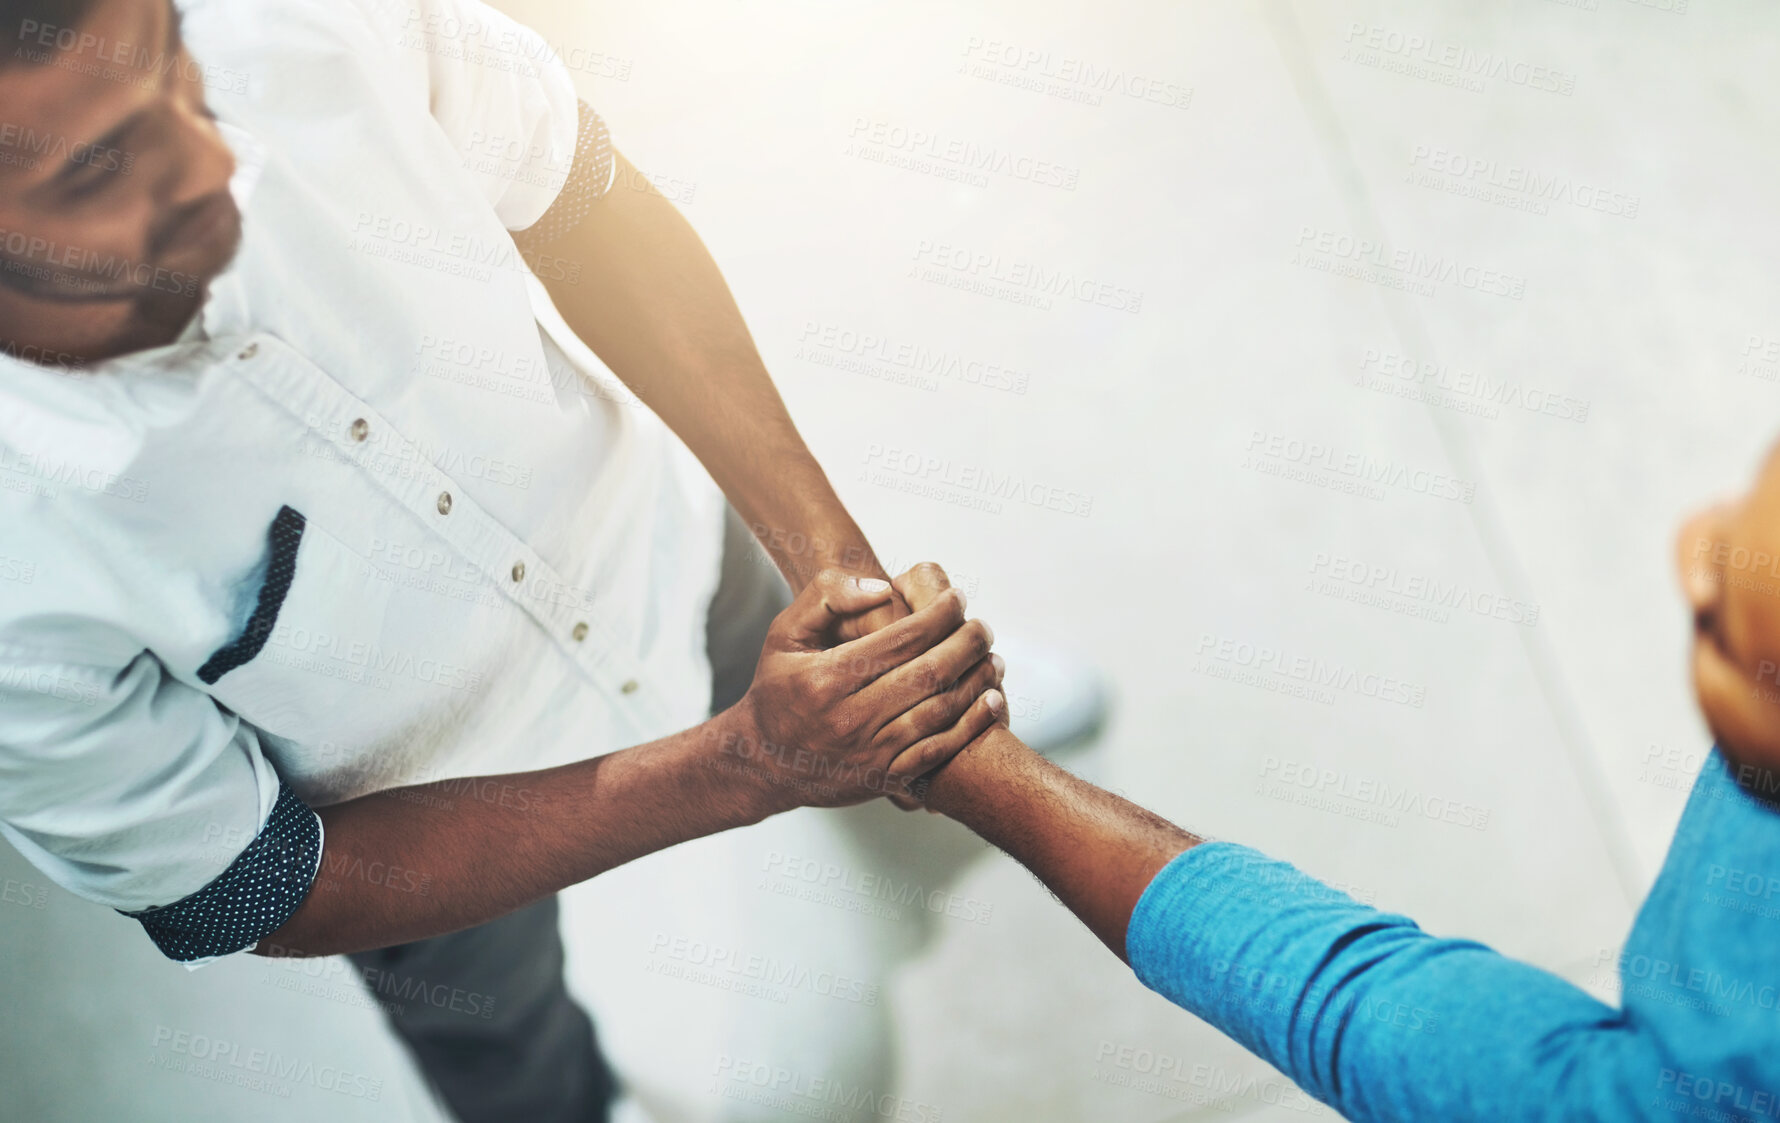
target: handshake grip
831 721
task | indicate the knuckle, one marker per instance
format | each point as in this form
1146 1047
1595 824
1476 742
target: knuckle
980 638
933 754
957 700
889 738
936 714
821 681
955 612
928 678
905 646
930 576
847 668
846 722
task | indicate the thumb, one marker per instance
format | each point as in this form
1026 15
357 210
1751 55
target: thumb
833 596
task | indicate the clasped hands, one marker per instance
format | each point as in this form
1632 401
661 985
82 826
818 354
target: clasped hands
864 687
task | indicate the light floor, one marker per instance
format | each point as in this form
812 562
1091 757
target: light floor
1203 420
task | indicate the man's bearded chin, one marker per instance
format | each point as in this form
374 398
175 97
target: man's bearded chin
158 317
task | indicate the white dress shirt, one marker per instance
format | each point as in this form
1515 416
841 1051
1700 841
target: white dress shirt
505 560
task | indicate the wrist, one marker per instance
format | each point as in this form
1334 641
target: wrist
987 765
744 762
849 555
807 537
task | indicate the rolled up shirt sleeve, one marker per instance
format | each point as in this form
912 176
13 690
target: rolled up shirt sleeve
1371 1015
136 791
503 98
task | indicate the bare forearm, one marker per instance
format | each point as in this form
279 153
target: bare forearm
420 861
652 303
1095 851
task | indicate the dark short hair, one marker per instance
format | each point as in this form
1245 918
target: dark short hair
17 16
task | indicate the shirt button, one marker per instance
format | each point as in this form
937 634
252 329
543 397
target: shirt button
248 352
444 502
580 632
630 686
519 571
360 429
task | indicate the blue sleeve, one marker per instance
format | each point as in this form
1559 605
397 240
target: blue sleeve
1371 1015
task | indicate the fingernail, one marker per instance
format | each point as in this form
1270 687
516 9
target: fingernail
871 584
994 701
999 664
990 630
963 601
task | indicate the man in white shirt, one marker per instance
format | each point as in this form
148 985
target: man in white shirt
348 559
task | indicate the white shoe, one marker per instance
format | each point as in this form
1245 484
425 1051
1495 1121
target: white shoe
1056 702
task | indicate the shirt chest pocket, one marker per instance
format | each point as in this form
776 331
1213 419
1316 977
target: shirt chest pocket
369 662
290 671
338 651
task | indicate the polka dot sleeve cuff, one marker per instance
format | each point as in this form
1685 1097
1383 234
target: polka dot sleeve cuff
252 898
594 171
